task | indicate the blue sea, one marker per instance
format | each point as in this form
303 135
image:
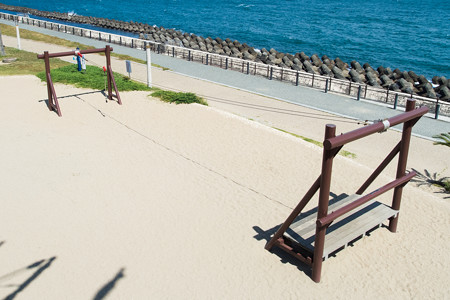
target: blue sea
405 34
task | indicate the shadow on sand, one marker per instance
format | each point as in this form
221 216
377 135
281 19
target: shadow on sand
39 266
429 179
106 289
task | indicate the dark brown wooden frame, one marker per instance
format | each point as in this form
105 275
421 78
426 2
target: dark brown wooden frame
332 145
53 100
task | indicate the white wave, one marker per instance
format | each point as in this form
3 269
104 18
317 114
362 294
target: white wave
245 5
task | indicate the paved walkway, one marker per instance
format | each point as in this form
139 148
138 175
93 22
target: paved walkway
304 96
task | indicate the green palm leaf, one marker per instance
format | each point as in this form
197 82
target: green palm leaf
444 139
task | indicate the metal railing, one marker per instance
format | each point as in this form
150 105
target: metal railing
271 72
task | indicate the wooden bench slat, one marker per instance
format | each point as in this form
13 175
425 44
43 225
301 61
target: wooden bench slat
344 229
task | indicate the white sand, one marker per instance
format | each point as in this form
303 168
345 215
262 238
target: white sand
172 197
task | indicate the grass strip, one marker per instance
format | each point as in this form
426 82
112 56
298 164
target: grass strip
317 143
40 37
93 78
178 97
26 63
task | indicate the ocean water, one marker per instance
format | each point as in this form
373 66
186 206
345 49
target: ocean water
405 34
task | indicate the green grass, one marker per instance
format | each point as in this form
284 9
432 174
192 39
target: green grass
35 36
317 143
26 64
446 185
93 78
178 98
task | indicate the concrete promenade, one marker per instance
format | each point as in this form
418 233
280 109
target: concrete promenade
304 96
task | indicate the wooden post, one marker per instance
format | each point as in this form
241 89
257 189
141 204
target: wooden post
47 73
322 211
297 210
108 66
402 160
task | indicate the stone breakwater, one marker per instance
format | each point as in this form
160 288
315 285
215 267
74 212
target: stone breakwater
394 80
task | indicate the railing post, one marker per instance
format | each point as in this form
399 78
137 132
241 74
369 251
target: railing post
226 63
248 68
322 210
350 88
109 39
438 108
173 51
387 95
326 85
312 82
296 79
271 73
359 93
396 101
365 92
207 59
401 167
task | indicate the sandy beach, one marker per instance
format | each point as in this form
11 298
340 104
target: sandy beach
155 200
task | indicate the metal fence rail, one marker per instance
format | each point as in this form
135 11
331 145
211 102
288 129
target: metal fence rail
298 78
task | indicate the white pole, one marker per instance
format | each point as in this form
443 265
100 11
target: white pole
149 67
18 35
